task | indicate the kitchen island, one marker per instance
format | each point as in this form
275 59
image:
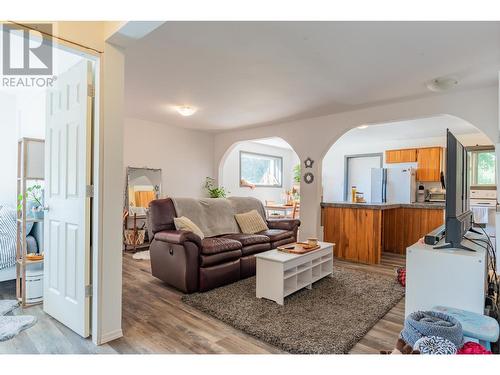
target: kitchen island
361 231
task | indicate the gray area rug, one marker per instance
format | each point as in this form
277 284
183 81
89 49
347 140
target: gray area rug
329 319
10 326
7 305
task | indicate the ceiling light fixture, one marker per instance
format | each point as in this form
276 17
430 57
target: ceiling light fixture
185 110
442 84
362 126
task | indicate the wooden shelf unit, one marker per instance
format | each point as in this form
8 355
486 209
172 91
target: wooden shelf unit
29 168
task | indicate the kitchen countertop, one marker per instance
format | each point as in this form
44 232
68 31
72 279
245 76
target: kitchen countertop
385 206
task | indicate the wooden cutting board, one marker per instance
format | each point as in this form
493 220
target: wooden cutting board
297 248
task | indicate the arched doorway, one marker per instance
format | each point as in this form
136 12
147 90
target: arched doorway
370 140
267 169
411 158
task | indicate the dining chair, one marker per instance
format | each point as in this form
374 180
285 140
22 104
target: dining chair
295 210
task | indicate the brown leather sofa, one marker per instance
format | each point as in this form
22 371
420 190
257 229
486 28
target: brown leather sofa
190 264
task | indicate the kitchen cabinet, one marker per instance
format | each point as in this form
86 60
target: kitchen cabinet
429 164
404 226
401 156
362 231
356 233
429 161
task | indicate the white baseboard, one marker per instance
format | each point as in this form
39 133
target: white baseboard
110 336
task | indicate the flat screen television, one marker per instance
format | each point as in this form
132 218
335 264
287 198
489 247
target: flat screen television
458 218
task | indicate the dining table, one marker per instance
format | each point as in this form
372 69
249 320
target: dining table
284 208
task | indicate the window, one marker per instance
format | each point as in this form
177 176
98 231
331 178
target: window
260 169
482 167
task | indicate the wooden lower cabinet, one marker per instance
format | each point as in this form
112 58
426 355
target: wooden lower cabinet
356 233
403 227
361 234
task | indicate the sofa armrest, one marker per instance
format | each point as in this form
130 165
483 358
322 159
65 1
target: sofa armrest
177 237
286 224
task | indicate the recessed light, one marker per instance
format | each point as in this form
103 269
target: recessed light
362 126
186 110
442 84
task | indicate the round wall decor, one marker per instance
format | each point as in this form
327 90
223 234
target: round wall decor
308 163
308 178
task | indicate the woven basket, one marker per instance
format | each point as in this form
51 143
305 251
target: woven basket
134 237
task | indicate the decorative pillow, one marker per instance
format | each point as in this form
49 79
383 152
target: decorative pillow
184 223
435 345
251 222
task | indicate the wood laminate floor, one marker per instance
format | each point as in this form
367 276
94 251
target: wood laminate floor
156 321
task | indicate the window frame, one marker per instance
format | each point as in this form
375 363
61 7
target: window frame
474 150
280 158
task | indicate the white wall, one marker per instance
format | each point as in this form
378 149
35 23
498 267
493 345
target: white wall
8 149
333 163
23 115
31 115
186 157
231 171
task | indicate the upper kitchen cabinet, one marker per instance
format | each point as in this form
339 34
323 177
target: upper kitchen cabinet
429 164
401 156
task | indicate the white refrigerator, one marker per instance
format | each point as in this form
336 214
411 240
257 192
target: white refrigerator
393 185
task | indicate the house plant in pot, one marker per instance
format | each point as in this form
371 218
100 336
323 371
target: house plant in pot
34 201
213 190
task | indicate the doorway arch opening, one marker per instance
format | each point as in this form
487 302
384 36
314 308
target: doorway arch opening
266 168
367 145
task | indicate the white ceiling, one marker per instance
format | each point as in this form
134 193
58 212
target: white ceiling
274 142
248 73
413 129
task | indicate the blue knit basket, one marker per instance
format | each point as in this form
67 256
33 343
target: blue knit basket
432 323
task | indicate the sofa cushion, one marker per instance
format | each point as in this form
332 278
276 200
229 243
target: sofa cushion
255 249
248 239
277 234
214 259
216 245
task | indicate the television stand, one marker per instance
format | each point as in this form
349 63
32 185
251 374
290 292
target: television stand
449 277
453 246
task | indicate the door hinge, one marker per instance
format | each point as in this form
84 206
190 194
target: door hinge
88 291
90 90
89 193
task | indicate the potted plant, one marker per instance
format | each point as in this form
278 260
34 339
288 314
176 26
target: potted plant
213 190
34 198
297 174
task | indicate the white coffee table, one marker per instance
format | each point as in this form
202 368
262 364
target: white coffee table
280 274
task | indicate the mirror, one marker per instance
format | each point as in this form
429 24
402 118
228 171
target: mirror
143 186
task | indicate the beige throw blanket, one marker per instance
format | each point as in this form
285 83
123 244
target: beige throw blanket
247 204
215 216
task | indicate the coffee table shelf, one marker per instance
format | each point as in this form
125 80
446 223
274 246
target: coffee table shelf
280 274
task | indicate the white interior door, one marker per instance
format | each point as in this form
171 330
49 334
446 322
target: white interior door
67 215
359 172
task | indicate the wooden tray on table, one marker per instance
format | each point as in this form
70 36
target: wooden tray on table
298 248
